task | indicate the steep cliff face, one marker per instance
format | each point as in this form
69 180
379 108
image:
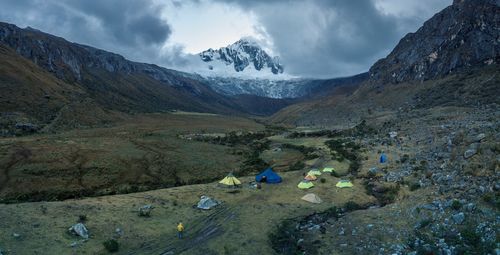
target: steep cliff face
69 60
462 35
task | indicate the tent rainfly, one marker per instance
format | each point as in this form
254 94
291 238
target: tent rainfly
305 184
310 177
344 184
268 176
328 170
312 198
383 158
230 181
314 172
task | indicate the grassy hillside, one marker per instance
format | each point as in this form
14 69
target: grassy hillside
141 153
33 97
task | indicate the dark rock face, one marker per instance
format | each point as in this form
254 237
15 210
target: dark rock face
69 61
241 54
463 35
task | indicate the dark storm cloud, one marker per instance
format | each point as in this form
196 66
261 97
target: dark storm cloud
327 38
129 27
318 38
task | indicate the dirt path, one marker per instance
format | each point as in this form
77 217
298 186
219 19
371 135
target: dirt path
197 233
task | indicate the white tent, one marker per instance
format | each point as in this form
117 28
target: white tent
312 198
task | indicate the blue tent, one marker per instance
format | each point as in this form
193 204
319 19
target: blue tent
383 158
271 176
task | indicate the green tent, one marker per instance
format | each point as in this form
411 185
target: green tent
344 184
328 170
305 184
314 172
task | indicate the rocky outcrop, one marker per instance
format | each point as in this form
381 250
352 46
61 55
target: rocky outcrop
241 54
465 34
69 61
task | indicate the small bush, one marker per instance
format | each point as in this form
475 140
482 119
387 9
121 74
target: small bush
351 206
111 245
322 180
470 236
424 223
456 205
334 174
82 218
414 186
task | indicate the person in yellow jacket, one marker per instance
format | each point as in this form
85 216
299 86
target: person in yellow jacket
180 229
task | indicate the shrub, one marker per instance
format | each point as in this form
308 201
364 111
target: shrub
334 174
470 236
414 186
297 166
456 205
111 245
322 180
424 223
82 218
351 206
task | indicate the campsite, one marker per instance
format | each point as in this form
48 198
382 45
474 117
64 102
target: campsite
223 127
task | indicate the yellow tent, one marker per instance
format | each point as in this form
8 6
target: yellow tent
314 172
344 184
310 177
305 184
328 170
230 180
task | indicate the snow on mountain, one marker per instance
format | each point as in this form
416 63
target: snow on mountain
245 68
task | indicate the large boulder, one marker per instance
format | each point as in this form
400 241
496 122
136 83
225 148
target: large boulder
207 203
80 230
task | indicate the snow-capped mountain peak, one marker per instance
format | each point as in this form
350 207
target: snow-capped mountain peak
243 55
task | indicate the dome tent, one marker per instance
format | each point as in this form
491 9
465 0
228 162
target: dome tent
314 172
344 184
268 176
328 170
383 158
310 177
305 184
312 198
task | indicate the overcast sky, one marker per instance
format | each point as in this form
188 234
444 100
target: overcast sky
316 38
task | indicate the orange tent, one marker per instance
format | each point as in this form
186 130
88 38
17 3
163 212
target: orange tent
310 177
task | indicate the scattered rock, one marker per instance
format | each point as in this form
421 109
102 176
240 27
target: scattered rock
393 134
479 137
373 170
207 203
145 211
118 232
458 218
471 151
80 230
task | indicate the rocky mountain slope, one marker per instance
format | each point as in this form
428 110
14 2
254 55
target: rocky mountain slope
453 58
462 35
108 80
